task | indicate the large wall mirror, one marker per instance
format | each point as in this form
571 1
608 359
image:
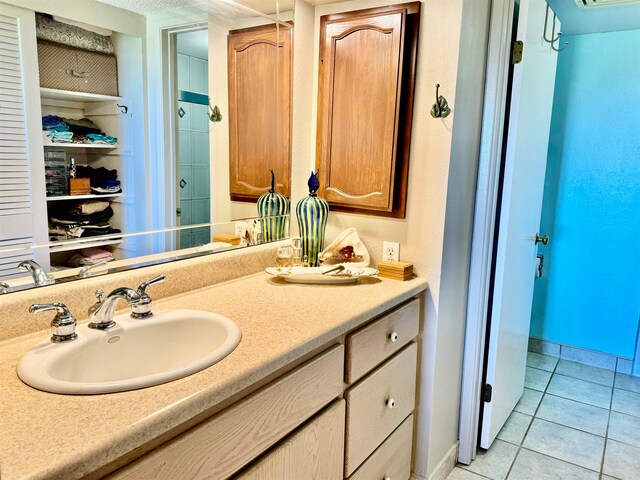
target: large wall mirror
135 131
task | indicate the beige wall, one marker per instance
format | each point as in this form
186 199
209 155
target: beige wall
435 235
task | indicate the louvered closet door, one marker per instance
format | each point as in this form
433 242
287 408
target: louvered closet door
17 163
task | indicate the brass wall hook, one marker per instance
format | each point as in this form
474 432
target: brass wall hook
441 108
215 115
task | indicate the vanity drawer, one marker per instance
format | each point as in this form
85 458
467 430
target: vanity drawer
378 404
314 452
221 446
392 460
376 342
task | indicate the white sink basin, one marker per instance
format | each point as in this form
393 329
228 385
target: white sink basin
134 354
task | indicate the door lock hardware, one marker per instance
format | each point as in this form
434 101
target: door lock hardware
542 239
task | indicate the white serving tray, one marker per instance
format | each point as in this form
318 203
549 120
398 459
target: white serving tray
313 275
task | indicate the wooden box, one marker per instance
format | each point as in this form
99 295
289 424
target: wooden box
227 238
395 270
79 186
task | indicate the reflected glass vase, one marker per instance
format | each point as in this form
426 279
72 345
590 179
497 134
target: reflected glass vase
273 209
312 213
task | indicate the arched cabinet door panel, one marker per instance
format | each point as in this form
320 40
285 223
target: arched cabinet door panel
365 103
259 64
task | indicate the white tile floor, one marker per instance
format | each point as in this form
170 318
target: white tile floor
573 422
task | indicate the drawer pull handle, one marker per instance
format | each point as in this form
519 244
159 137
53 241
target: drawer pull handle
390 402
393 336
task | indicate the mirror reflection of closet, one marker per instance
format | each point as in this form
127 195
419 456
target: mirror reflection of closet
166 171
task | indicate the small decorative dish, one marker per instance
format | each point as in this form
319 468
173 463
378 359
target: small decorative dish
314 275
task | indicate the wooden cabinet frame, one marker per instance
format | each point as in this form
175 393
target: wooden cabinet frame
391 201
260 127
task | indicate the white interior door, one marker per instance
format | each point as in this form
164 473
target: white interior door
525 163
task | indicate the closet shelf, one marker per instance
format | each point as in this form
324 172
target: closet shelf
76 96
83 197
67 246
81 145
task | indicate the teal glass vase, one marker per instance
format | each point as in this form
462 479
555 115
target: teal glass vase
273 209
312 213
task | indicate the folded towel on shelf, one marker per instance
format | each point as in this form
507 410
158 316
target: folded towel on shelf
83 126
96 138
95 233
64 232
53 122
101 173
88 207
96 253
60 137
66 216
79 259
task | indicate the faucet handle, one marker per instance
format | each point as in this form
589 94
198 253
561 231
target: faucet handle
96 306
142 289
142 308
86 271
63 324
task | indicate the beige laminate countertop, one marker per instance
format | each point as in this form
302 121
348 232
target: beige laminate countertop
44 435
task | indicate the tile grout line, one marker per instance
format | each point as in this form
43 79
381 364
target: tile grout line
577 401
576 378
533 417
560 460
606 433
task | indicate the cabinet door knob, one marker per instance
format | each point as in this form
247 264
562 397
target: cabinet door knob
390 402
393 336
386 478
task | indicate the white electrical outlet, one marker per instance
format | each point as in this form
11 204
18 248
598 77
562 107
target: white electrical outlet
391 251
241 228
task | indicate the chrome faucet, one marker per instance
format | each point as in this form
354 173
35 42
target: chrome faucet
63 324
4 287
102 312
142 309
40 277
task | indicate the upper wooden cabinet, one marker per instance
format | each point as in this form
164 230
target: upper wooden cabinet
365 106
259 63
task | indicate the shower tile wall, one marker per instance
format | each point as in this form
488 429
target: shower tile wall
194 152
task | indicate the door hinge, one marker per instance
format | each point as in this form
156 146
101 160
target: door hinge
516 52
487 392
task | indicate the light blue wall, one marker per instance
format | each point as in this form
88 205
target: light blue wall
590 294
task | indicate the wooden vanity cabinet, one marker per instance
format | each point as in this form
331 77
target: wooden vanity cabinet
226 443
365 107
259 71
320 421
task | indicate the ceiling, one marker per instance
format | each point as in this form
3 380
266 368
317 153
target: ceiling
579 20
148 7
194 43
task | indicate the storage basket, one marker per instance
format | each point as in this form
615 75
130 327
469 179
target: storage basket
67 68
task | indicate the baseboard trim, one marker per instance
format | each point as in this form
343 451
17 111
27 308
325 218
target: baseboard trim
580 355
444 468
